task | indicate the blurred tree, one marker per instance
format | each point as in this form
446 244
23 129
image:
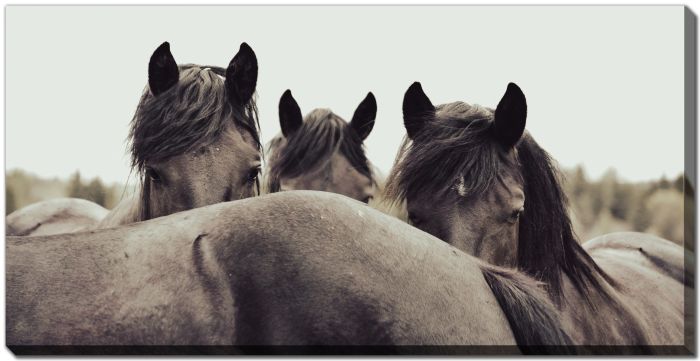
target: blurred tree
578 183
10 203
666 209
622 200
679 182
639 215
664 183
95 192
75 186
607 223
603 192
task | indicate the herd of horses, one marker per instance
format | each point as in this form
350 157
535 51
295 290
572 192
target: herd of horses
214 250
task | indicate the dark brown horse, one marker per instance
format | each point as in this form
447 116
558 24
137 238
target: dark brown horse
322 151
291 268
474 178
194 141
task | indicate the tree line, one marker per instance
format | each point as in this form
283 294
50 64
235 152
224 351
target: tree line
23 188
610 204
597 207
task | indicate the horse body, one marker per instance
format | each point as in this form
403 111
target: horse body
644 307
330 272
194 141
473 177
60 215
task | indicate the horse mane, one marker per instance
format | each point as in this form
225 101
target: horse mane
454 144
458 143
535 322
191 114
547 242
309 148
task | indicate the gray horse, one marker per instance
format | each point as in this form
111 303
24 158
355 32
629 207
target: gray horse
322 151
291 268
194 142
474 178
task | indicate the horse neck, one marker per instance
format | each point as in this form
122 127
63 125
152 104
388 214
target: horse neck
127 211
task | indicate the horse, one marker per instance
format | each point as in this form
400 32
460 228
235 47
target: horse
322 151
297 268
194 141
59 215
475 178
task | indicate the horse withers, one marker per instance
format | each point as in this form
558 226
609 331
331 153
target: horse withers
473 177
194 141
322 151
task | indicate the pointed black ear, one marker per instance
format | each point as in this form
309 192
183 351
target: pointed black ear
290 114
363 119
509 120
417 109
242 75
162 70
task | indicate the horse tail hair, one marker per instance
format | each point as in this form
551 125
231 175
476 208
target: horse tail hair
533 318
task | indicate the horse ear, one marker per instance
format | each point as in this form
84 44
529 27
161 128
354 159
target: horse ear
242 75
509 120
416 106
290 114
162 70
365 114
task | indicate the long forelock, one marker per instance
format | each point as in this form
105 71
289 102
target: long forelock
191 114
453 152
310 148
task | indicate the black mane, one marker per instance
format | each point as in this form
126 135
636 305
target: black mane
458 143
311 146
188 115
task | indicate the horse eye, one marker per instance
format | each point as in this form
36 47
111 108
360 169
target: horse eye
253 175
153 175
415 220
367 199
515 215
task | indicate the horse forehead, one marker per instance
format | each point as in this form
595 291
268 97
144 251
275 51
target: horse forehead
506 190
209 70
342 167
236 144
462 110
229 152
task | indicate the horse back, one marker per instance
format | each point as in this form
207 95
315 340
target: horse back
670 258
54 216
332 271
648 300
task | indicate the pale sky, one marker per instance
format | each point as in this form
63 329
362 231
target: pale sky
604 85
